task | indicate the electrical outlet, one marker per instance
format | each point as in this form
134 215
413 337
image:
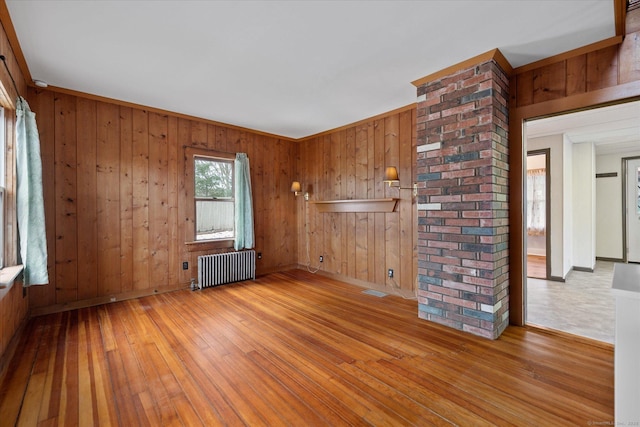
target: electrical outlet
321 258
185 265
390 272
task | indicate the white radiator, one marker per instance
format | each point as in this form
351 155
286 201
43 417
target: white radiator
218 269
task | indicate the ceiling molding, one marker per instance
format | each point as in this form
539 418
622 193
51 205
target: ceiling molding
158 111
359 122
494 54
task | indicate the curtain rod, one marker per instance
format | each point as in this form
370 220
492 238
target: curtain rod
4 59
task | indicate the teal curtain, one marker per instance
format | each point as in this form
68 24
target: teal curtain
244 203
29 197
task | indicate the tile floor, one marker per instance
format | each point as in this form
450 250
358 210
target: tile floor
583 305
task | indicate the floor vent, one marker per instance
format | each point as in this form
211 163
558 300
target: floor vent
374 293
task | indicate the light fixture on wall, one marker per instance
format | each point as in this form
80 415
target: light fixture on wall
296 189
391 178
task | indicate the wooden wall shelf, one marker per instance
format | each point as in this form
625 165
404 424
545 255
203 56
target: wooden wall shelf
357 205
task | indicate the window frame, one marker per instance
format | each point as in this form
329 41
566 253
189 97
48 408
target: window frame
3 189
191 153
197 199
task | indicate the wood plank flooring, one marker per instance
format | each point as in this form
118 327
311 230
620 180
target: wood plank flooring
294 349
537 266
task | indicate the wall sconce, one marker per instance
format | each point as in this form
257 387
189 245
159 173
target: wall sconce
296 189
391 178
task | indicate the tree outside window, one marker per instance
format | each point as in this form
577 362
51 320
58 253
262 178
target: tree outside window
214 198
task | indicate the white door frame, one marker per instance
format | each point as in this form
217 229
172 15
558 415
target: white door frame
625 161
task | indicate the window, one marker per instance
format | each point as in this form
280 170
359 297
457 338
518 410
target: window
3 150
213 184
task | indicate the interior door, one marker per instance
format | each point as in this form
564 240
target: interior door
632 192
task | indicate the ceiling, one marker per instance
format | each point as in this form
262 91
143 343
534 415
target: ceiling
290 68
612 129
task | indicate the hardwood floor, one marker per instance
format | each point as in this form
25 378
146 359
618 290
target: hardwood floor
294 349
537 266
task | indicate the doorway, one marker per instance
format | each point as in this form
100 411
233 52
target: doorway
631 209
593 151
538 208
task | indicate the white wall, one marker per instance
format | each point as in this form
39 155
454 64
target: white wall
609 205
567 206
559 253
584 205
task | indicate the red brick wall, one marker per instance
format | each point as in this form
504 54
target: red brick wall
462 175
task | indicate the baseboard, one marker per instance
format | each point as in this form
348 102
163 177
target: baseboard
40 311
10 351
601 258
265 271
403 293
57 308
556 279
585 269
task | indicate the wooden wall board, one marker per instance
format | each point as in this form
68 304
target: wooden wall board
108 198
158 200
87 208
66 258
349 164
140 202
126 199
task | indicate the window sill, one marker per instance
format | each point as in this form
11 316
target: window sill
204 245
8 275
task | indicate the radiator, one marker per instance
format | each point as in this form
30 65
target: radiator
218 269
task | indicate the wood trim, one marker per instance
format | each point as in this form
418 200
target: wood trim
517 117
357 205
602 258
208 245
547 173
607 175
569 54
620 16
403 293
10 31
160 111
359 122
583 269
9 274
190 153
494 54
566 335
74 305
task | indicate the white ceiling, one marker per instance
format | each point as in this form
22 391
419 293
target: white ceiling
612 129
291 68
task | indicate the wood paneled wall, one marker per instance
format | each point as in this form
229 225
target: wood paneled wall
603 65
349 163
118 211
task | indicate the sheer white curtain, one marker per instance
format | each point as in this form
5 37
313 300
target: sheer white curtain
536 202
29 197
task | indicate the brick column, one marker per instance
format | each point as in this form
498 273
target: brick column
463 210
